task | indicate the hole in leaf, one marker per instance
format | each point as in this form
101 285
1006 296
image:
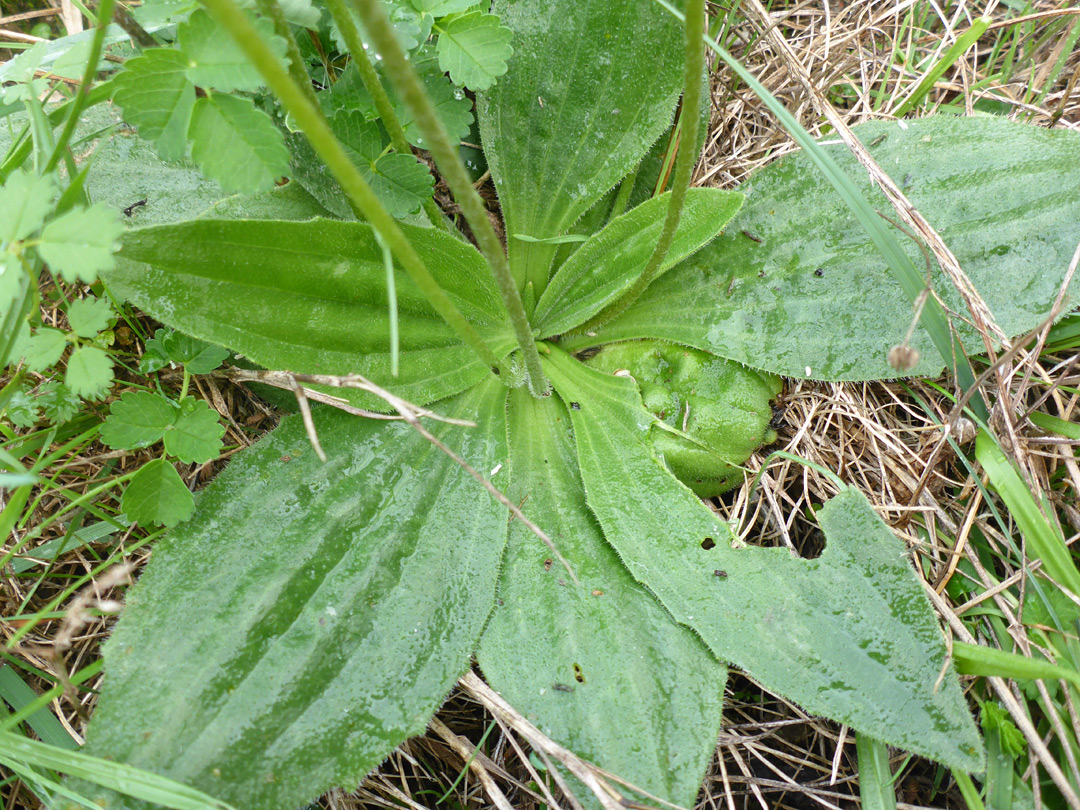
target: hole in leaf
708 543
577 674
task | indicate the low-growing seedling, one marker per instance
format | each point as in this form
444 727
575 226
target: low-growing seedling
318 612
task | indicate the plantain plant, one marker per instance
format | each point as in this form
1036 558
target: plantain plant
314 614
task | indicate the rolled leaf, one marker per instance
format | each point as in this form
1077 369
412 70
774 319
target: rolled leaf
576 111
795 287
849 635
312 616
599 666
310 297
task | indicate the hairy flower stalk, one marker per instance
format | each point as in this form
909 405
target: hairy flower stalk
684 164
322 140
410 88
370 78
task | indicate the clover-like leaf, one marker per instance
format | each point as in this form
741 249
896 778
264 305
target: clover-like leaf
138 419
155 95
81 243
167 346
28 199
88 316
156 495
89 372
215 61
452 106
473 49
236 143
195 437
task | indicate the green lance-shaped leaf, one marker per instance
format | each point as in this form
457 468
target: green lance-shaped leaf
601 666
849 635
473 49
317 614
154 94
236 143
310 297
215 61
794 285
576 111
608 264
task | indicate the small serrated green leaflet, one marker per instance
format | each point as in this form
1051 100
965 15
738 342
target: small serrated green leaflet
237 144
473 49
57 402
89 372
195 437
197 356
27 201
80 244
215 61
440 8
154 94
451 104
21 409
138 419
44 349
301 12
88 316
156 495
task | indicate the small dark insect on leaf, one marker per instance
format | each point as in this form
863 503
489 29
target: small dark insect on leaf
879 139
562 687
547 564
131 208
749 235
819 272
719 573
575 406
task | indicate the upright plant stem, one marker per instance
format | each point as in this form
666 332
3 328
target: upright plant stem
351 34
411 90
105 10
322 140
684 163
271 9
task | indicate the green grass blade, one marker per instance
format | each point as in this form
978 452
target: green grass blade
140 784
975 659
875 778
1044 538
958 49
968 791
18 694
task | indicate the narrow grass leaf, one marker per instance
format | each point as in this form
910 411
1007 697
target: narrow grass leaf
134 782
18 694
975 659
956 50
876 787
1042 532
